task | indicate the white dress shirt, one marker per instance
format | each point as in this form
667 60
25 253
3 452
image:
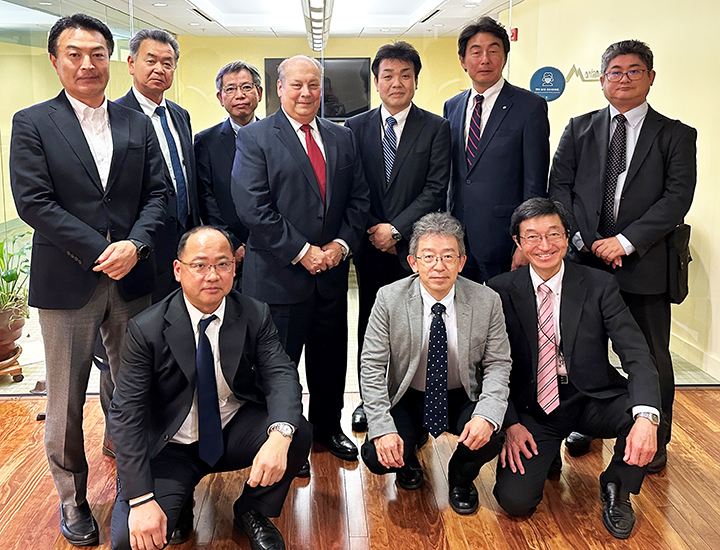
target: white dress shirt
95 124
489 98
400 120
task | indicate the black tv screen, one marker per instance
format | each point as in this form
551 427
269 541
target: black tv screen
346 88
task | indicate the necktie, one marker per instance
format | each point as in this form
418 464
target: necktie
209 423
474 132
316 159
389 144
616 164
435 416
547 386
182 203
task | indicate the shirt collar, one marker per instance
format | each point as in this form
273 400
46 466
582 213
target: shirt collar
83 111
554 283
492 91
148 105
296 125
196 315
429 301
400 118
633 116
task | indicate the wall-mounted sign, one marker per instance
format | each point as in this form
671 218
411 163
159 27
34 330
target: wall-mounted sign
548 83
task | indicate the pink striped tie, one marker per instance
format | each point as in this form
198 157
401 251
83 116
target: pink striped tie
547 386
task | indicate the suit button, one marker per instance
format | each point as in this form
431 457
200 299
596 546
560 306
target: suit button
319 217
468 182
107 199
171 192
173 219
166 437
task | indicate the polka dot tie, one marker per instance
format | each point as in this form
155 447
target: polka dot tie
435 417
616 165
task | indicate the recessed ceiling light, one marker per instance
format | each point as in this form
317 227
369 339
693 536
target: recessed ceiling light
45 3
249 30
438 25
385 30
470 6
160 4
194 24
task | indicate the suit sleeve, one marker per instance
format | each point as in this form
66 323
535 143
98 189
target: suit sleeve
536 152
357 206
434 194
35 197
563 172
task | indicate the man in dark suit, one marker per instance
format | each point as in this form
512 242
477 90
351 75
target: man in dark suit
87 176
298 186
153 58
559 316
626 194
500 150
405 153
435 342
239 90
204 387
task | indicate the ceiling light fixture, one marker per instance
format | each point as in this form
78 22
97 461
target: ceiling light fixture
160 5
470 5
438 25
45 3
194 24
317 14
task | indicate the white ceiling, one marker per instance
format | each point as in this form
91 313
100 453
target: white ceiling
351 18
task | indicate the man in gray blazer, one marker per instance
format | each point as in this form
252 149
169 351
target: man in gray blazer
436 358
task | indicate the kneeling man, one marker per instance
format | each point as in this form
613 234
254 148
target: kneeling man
559 316
204 386
435 358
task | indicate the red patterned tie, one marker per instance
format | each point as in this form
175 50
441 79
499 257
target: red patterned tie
316 159
474 132
547 386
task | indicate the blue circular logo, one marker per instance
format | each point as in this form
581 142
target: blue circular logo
548 83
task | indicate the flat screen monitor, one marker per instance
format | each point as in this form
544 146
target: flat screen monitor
346 87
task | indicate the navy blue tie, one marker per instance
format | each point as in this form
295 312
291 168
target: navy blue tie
389 144
435 417
182 203
209 423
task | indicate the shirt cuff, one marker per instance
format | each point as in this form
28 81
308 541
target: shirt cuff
627 245
577 240
141 500
345 247
644 408
303 251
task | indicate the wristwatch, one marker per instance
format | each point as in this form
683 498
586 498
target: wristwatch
143 250
652 417
395 233
284 428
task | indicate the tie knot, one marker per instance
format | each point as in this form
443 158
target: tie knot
203 324
478 100
306 128
390 122
438 309
620 118
543 289
160 111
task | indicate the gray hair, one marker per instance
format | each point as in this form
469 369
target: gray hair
158 35
236 67
627 47
283 66
437 223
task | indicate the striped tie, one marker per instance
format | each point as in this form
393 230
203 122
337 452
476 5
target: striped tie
547 386
389 144
474 132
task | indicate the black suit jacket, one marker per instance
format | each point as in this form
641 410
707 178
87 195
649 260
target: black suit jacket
278 199
511 166
420 175
591 310
57 192
657 194
214 155
157 378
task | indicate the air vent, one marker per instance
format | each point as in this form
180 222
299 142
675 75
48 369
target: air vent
429 17
200 14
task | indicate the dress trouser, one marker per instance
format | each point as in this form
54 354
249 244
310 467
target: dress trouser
177 469
69 335
464 464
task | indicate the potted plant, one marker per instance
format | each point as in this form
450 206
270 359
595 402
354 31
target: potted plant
14 270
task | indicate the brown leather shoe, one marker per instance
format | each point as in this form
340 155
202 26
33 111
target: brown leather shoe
108 447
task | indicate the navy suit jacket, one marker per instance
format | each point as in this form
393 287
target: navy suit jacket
157 379
510 167
657 193
278 199
214 155
57 192
420 175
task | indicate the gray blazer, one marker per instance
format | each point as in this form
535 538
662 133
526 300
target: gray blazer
393 342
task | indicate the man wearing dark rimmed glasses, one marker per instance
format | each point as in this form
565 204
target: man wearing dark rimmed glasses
627 175
559 317
435 358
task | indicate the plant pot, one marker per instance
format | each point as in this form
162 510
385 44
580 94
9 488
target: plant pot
12 322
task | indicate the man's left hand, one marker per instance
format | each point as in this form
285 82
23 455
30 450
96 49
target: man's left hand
333 254
641 443
270 461
519 259
117 259
477 432
381 236
609 251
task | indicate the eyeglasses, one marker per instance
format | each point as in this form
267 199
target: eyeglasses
204 269
617 76
232 90
430 260
554 237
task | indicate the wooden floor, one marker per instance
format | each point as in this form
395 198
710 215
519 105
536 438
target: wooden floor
343 506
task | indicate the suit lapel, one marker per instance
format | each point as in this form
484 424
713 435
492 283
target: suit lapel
231 346
374 140
463 313
227 137
287 136
650 129
525 304
414 306
571 303
184 134
67 123
180 336
120 129
601 130
503 104
413 127
330 146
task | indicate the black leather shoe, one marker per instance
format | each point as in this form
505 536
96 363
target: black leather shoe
464 499
108 448
260 530
359 420
339 445
184 526
78 525
618 516
555 467
304 471
409 478
578 444
658 463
